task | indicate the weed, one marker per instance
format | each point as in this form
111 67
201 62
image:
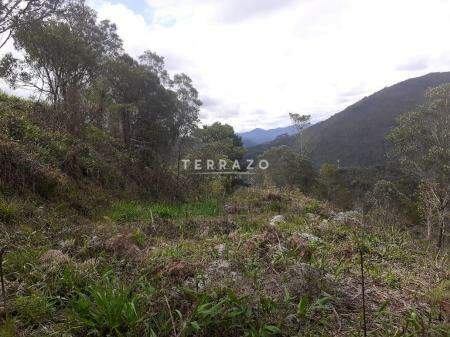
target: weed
107 309
34 308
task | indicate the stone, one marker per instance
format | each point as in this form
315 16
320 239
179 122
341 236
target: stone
276 220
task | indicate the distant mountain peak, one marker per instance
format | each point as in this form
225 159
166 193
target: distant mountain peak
259 136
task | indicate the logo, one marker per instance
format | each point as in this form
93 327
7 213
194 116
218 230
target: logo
224 167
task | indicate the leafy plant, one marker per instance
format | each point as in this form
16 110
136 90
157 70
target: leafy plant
215 313
107 309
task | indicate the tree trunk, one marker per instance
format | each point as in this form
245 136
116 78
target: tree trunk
428 228
441 231
126 127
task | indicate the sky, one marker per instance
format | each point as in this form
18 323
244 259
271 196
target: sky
254 61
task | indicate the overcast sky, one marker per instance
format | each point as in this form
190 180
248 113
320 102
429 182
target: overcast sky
254 61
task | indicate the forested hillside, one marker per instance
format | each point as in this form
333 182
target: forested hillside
356 135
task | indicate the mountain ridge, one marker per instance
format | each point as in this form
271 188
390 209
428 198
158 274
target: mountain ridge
259 135
355 136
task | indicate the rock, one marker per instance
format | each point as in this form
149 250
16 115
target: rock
349 216
276 220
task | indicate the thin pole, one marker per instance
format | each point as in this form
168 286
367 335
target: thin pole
2 279
361 258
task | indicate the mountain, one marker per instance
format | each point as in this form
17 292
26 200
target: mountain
259 136
356 135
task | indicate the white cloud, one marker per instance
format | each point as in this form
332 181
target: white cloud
257 60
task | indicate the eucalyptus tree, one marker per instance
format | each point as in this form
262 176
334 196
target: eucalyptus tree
300 122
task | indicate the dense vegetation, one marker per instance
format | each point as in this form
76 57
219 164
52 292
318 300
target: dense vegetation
105 232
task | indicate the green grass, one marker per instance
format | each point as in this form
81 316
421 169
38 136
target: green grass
133 211
34 308
8 211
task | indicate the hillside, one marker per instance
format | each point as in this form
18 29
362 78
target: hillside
61 170
93 249
356 135
258 136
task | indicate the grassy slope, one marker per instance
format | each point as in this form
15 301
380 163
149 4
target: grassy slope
82 259
198 270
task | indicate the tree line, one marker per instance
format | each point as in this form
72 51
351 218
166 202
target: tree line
76 65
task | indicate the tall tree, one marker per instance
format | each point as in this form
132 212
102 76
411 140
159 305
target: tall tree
187 116
300 122
220 140
421 143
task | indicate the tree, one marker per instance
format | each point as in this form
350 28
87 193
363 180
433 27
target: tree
287 168
220 140
126 82
156 64
63 54
14 14
300 122
421 143
188 109
154 118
